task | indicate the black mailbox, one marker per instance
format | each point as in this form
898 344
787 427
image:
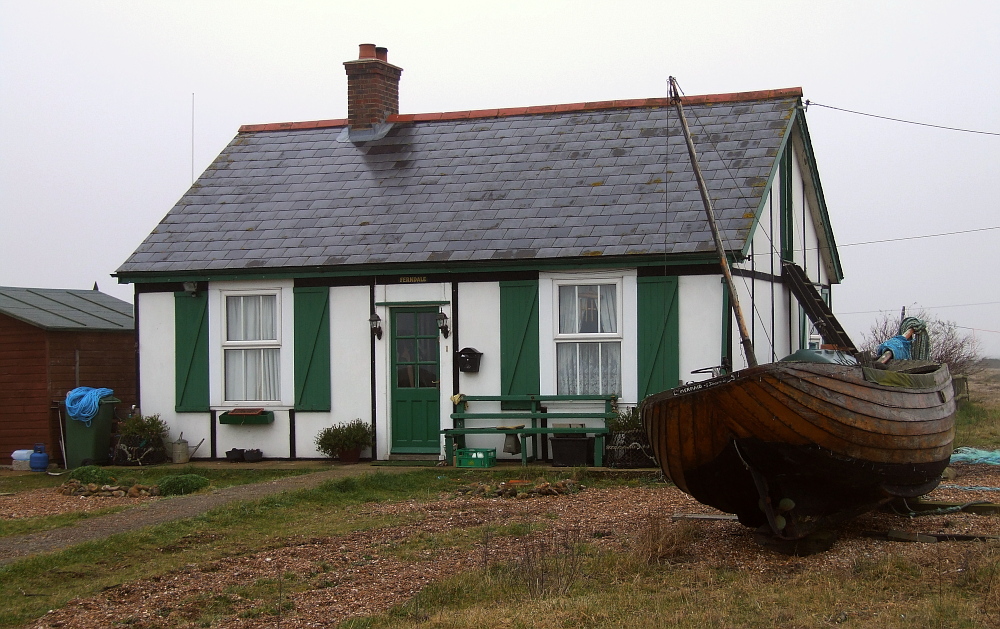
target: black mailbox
468 359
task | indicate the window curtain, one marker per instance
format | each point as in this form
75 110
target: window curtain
589 368
252 374
609 308
251 318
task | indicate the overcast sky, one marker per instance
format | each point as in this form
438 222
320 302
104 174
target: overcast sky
96 99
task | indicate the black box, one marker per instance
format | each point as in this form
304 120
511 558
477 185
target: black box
572 451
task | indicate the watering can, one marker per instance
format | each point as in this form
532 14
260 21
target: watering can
180 452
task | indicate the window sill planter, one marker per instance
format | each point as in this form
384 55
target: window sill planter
247 416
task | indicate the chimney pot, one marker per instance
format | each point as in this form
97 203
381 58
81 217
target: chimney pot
372 87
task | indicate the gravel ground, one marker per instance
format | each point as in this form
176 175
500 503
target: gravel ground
359 573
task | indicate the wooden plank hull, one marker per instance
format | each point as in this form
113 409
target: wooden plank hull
833 440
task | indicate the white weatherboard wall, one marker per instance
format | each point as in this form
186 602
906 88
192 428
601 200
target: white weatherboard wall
157 371
350 370
479 328
700 324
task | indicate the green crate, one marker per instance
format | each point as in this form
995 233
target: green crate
476 457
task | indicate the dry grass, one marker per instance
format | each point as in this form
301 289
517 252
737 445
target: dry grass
660 541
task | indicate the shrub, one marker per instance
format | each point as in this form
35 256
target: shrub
355 434
180 484
92 474
960 351
626 419
140 441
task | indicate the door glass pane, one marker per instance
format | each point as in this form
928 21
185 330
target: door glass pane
405 324
428 376
428 350
406 350
426 324
404 377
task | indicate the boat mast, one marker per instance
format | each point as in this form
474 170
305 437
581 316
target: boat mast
675 98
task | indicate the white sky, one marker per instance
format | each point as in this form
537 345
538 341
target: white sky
96 100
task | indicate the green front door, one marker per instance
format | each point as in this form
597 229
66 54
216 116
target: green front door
416 376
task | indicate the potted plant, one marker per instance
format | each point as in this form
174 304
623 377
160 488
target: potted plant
345 441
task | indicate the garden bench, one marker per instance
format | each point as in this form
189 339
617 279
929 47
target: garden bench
528 408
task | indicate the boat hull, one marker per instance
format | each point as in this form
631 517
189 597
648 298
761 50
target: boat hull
831 440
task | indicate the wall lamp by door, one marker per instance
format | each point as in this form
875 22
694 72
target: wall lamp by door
375 322
191 288
442 321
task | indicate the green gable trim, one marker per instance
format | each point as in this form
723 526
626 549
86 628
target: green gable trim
786 223
191 352
519 357
658 335
312 349
506 266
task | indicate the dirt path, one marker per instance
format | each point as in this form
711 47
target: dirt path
166 510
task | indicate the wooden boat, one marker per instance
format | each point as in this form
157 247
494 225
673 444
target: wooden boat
804 445
807 442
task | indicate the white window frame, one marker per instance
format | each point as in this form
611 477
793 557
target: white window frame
548 328
219 343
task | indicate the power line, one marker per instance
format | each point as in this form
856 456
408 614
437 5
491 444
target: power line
875 242
977 329
983 303
922 124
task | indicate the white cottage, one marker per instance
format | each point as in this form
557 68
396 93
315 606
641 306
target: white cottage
330 270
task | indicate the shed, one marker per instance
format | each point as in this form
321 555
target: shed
52 341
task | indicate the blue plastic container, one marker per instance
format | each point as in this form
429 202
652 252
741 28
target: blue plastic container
39 460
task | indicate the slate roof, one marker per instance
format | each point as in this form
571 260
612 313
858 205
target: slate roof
603 179
58 309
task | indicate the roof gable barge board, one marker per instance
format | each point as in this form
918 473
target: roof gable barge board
554 185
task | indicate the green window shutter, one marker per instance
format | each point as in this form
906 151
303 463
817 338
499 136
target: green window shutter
312 348
191 352
658 335
519 369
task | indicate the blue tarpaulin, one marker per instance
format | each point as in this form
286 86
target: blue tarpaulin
82 403
899 345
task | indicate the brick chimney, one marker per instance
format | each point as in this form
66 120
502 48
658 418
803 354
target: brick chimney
372 87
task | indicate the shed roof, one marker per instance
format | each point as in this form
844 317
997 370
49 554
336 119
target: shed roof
543 183
65 309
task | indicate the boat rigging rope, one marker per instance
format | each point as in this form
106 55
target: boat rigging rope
942 511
